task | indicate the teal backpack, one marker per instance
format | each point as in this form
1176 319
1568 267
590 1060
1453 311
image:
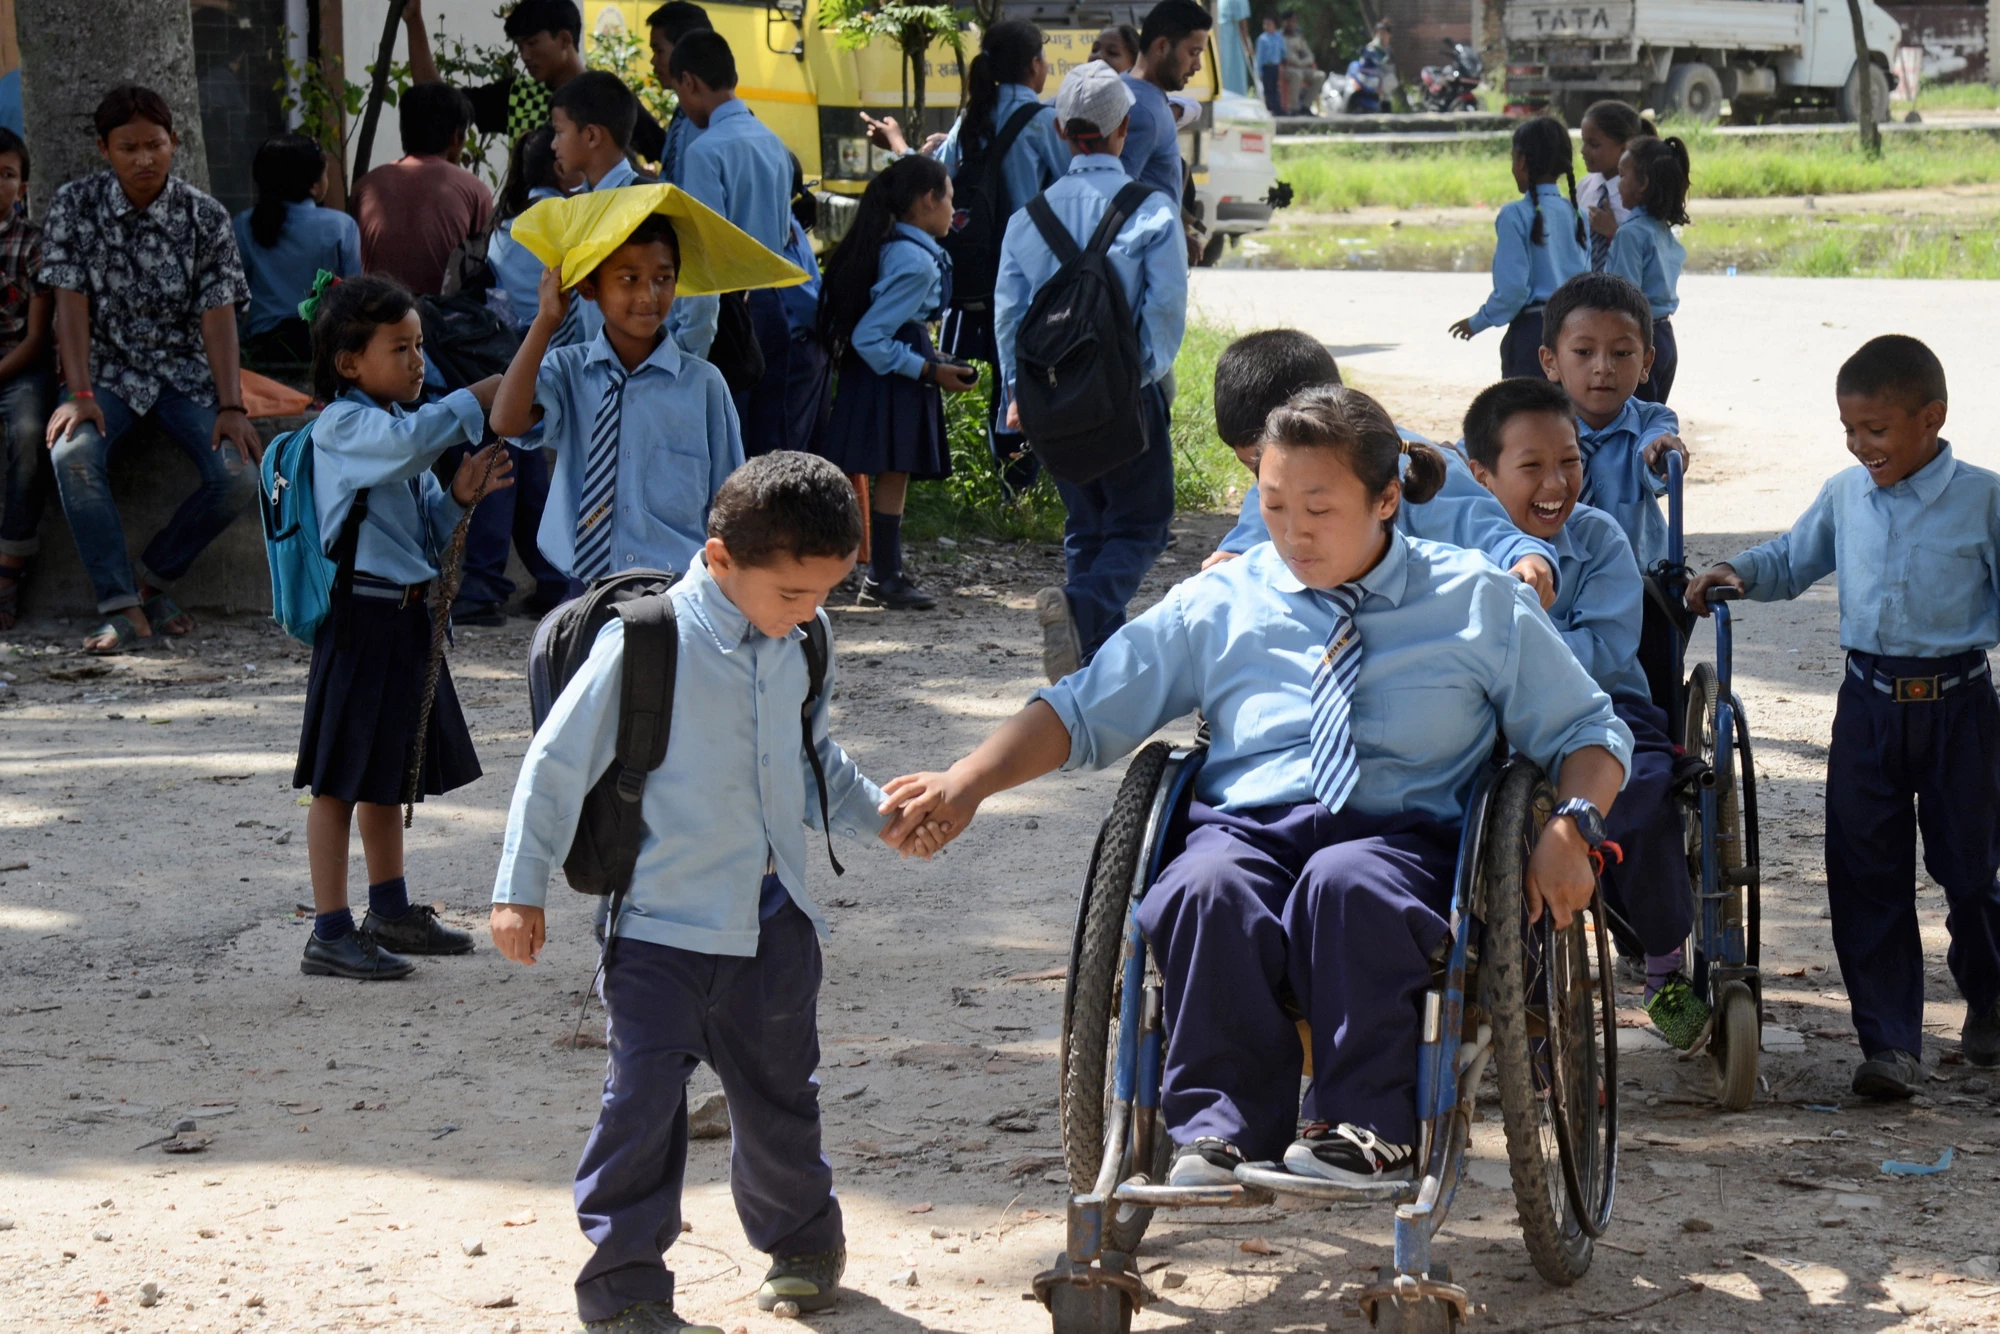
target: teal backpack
303 576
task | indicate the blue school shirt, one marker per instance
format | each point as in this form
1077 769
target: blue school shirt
1152 154
1598 608
1617 480
681 131
1452 650
1919 561
801 303
517 273
744 172
313 238
590 318
359 443
1038 157
1270 48
909 287
734 794
1524 274
1646 254
1463 513
678 439
1148 255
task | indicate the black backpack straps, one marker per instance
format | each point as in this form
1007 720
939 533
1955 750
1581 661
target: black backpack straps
1054 234
996 152
646 699
344 548
1123 205
818 654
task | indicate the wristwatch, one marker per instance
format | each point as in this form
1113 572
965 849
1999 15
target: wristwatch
1589 820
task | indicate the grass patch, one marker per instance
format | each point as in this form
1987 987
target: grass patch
1342 174
1958 97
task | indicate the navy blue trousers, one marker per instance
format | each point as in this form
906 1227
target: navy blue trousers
1521 347
1344 909
511 515
787 409
755 1022
1895 769
1649 890
1666 360
1117 526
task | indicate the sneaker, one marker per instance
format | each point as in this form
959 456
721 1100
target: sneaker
417 931
1349 1154
357 955
1206 1162
1889 1074
1979 1039
1062 647
1678 1013
813 1280
646 1318
487 615
898 594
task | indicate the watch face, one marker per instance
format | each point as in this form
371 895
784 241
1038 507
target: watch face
1588 822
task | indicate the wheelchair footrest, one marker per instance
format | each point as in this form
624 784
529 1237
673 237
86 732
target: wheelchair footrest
1141 1192
1113 1271
1409 1289
1275 1179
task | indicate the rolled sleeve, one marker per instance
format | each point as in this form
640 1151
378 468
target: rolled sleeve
1141 680
1549 708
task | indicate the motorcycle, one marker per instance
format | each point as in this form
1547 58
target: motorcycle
1454 86
1366 88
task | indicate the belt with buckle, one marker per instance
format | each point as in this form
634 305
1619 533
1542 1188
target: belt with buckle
403 595
1918 689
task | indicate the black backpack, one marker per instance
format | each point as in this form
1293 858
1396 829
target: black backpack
464 339
736 351
1078 364
605 848
979 194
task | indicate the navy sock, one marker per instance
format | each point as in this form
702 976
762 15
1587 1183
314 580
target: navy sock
333 925
391 898
885 546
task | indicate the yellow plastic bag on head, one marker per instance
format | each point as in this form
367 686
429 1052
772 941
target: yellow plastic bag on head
581 231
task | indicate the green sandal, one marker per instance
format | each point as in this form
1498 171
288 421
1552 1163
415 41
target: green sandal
160 610
127 633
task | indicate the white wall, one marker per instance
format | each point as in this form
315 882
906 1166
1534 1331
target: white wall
361 21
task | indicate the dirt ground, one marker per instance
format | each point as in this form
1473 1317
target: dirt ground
399 1156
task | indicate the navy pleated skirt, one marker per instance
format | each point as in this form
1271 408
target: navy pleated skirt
889 423
967 335
363 696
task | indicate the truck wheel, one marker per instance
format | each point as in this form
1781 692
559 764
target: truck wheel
1849 104
1693 90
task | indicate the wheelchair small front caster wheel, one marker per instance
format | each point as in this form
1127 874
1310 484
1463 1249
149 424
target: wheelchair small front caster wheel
1100 1309
1734 1046
1426 1315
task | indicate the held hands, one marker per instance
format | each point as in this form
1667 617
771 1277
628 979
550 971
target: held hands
472 470
70 415
1656 449
1534 571
930 812
518 932
1462 329
1718 576
551 301
1560 877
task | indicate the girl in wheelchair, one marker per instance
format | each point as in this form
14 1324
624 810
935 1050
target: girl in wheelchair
1354 680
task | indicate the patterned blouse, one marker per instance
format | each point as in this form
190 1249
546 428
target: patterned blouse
150 275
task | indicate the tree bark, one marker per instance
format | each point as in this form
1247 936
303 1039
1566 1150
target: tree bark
378 88
1864 84
75 51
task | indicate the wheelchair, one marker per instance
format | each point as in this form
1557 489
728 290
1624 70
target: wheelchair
1719 802
1534 1003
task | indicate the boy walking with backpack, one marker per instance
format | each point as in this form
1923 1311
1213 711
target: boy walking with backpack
714 955
1057 266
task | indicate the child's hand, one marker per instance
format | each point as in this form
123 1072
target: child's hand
1603 221
1534 571
1718 576
1656 452
1216 558
551 301
518 932
1013 416
924 800
466 485
1463 329
886 134
954 379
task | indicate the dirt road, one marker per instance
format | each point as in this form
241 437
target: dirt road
366 1138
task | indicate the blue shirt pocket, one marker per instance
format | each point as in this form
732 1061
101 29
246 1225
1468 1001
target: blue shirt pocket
1951 584
675 486
1419 725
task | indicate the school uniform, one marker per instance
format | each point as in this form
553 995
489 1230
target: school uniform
1917 723
639 456
717 956
884 418
364 688
1527 272
1617 480
1346 904
740 169
788 409
1646 254
1598 611
583 321
1595 191
1117 526
1270 69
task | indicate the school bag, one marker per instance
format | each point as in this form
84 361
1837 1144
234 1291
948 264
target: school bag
979 218
605 849
1078 367
464 339
304 577
736 351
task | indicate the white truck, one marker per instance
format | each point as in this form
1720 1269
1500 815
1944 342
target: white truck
1686 56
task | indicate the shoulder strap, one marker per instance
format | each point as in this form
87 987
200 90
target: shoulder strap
1054 234
646 698
1016 123
1123 205
818 652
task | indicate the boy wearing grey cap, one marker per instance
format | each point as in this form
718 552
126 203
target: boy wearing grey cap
1117 525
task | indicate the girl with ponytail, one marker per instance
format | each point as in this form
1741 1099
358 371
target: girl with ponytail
285 240
1607 127
1653 182
1541 246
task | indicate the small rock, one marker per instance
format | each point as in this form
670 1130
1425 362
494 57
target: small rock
6 1224
1172 1279
951 1250
1983 1267
283 838
709 1118
1017 1125
149 1288
497 1303
939 1234
1031 823
906 1279
786 1310
255 1299
1696 1225
143 993
1976 1085
472 1246
331 1064
100 1235
183 1125
946 542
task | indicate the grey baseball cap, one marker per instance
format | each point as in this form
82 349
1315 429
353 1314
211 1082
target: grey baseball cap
1094 94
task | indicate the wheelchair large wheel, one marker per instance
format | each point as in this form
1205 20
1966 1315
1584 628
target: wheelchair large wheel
1733 1043
1554 1015
1091 1001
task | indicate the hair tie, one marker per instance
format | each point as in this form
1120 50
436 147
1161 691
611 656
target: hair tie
1402 446
325 280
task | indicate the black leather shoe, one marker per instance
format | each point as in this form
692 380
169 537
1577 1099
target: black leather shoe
897 594
1979 1039
417 931
1889 1074
812 1280
357 955
489 615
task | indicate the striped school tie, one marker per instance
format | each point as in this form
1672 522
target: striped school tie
570 331
600 483
1334 767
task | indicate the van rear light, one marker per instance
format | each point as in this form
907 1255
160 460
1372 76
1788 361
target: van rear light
1253 143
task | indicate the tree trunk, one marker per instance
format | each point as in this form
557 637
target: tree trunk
378 88
917 56
1864 84
75 51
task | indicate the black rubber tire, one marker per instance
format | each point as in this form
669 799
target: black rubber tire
1430 1317
1091 1000
1848 101
1753 892
1693 89
1099 1310
1559 1247
1735 1043
1703 693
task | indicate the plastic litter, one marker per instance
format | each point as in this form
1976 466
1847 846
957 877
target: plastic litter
1895 1168
1820 1106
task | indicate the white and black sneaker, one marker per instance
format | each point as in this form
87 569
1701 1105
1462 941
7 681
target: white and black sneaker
1349 1154
1206 1162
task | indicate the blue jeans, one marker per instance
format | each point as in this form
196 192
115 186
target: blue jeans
83 479
24 414
1117 528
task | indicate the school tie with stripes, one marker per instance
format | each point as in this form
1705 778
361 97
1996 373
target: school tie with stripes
1334 767
600 484
570 331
